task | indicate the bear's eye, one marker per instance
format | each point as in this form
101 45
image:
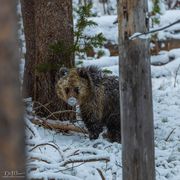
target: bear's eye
76 90
67 90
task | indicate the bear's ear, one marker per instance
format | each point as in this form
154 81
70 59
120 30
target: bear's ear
63 71
83 73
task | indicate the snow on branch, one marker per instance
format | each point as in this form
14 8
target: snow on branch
144 35
32 129
90 158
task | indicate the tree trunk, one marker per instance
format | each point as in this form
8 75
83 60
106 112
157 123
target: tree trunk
27 7
104 6
12 150
51 22
136 93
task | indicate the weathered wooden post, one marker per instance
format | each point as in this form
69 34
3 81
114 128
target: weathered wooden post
135 93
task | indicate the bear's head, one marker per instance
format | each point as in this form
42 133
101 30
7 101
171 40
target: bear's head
74 85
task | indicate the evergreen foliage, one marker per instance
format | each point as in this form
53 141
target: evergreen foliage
155 18
156 11
107 71
85 43
100 53
82 43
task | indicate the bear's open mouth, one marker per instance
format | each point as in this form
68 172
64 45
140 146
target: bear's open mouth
72 101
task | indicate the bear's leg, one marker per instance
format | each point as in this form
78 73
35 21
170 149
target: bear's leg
114 129
114 136
93 124
94 130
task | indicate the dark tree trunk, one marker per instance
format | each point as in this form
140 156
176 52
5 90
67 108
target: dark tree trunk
12 149
52 23
136 93
27 7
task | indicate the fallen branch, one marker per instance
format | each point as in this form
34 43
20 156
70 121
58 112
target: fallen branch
92 158
58 127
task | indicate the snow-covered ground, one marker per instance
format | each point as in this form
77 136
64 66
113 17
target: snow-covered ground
72 147
166 63
166 100
167 18
105 157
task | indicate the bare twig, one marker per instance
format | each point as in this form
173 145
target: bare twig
41 105
170 134
48 144
176 74
155 30
30 144
82 130
70 167
39 159
74 153
101 174
44 106
60 112
117 164
30 130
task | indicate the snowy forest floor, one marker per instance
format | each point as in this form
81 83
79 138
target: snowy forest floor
79 151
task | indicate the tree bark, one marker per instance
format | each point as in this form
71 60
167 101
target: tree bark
28 14
12 145
135 93
51 22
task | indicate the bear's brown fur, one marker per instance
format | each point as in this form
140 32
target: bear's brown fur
98 97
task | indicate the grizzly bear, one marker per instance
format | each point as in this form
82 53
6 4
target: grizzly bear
98 97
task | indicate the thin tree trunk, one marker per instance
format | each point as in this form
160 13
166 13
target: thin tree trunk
12 150
104 6
80 2
85 2
136 93
28 15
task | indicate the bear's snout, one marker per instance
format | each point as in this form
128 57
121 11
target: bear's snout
72 101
